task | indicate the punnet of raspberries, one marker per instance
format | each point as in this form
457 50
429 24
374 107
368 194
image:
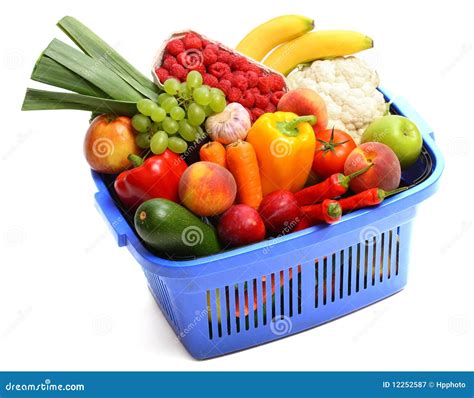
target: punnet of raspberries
241 81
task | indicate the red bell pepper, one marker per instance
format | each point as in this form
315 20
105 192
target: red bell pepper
156 177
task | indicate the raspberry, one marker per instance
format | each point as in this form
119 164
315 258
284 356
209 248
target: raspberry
275 98
224 85
208 57
204 42
256 113
219 69
182 58
162 74
224 56
200 68
270 108
247 99
252 78
234 94
264 84
277 82
213 47
261 101
191 40
238 73
178 71
175 46
241 64
254 90
210 80
240 82
254 68
168 62
228 76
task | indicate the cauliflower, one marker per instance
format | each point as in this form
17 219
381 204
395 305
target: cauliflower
349 88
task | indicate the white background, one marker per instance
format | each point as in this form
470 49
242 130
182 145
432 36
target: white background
71 300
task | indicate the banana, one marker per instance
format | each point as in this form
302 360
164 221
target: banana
265 37
317 45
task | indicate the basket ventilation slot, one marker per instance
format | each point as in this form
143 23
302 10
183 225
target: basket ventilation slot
357 267
163 297
254 303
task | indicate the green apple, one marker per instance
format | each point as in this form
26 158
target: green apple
400 134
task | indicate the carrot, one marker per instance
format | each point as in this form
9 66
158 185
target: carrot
213 152
242 163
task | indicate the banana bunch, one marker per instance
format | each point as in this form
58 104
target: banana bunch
293 43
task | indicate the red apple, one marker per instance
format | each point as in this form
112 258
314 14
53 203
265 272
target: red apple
240 225
280 212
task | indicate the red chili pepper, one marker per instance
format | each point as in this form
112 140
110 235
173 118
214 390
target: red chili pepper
334 186
328 211
304 223
369 197
156 177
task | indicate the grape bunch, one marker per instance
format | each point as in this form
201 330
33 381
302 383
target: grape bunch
177 117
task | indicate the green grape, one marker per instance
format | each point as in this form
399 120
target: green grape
171 86
170 126
200 133
158 114
216 90
187 131
155 127
194 79
177 113
177 145
143 140
146 106
184 90
169 103
208 110
162 97
141 123
159 142
201 95
196 114
217 103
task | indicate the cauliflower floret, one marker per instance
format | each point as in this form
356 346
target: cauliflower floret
348 85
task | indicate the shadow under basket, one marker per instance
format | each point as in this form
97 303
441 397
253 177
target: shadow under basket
262 292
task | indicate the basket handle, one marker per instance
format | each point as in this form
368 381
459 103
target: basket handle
115 220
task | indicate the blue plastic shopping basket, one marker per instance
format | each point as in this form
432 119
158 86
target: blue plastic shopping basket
255 294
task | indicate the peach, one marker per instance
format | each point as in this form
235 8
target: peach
385 172
304 101
207 189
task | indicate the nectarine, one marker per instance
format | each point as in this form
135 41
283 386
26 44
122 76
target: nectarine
384 174
304 101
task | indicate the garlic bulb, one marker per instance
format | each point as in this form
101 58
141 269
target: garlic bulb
232 124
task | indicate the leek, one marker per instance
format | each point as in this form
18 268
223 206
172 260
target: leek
51 100
95 47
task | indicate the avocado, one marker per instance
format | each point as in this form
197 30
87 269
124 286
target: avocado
170 228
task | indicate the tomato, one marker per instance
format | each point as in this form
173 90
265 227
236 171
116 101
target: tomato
332 149
108 142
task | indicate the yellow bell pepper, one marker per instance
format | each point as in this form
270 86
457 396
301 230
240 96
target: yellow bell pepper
284 143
